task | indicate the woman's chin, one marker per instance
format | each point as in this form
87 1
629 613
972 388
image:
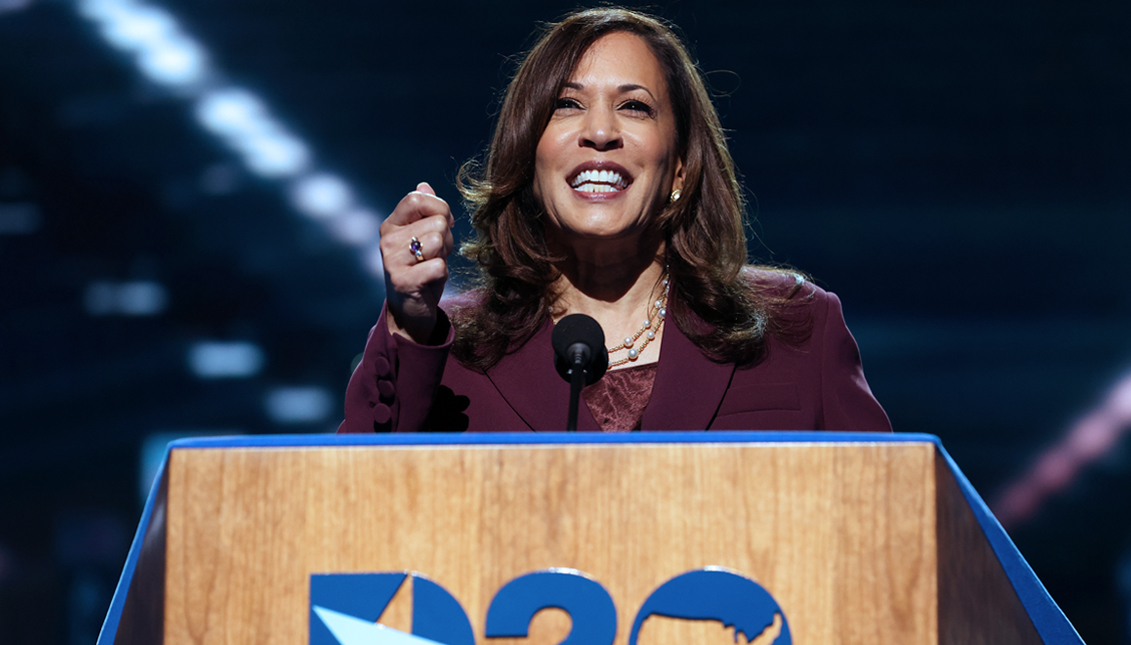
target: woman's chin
624 237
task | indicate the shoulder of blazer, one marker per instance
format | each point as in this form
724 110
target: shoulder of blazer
780 283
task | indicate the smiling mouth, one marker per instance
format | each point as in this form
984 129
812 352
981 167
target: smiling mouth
599 181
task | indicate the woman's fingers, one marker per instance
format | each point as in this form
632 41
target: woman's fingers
435 244
415 285
432 234
416 240
425 188
419 204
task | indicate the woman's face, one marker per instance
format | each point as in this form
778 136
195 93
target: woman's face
607 160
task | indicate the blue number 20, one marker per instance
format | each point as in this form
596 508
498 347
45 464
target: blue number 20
589 606
711 593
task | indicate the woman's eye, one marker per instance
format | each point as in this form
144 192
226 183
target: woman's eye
638 106
566 104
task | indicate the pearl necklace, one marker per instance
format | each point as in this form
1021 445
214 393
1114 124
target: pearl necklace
656 314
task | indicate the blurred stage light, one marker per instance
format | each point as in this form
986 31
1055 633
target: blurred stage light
6 6
321 195
100 298
100 10
19 219
134 298
169 57
141 298
299 404
274 155
1095 435
356 227
231 112
164 54
243 122
214 359
174 62
132 27
373 260
220 179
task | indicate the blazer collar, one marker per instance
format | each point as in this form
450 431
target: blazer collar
689 386
530 384
685 396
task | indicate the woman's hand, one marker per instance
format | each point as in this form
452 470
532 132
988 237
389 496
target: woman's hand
413 285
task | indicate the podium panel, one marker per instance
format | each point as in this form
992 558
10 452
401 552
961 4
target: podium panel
641 540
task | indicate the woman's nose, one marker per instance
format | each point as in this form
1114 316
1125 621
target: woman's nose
600 130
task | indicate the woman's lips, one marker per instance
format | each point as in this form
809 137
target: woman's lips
600 178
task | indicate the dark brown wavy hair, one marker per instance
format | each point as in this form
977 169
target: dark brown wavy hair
703 230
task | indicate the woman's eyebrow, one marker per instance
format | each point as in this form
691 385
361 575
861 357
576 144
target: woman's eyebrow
632 86
627 87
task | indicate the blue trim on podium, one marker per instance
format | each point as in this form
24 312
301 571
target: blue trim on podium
1048 619
528 438
114 615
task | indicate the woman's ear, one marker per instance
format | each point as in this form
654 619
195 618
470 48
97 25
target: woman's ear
677 182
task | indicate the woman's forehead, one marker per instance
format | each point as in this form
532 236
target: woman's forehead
619 59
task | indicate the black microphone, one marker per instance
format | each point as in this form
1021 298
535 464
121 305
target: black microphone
579 356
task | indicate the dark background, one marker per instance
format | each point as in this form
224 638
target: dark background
956 171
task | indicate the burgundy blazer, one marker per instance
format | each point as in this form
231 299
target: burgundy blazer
817 384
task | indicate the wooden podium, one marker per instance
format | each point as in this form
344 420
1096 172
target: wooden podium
857 538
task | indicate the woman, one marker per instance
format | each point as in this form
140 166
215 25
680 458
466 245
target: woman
608 190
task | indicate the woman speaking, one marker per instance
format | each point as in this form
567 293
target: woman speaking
608 190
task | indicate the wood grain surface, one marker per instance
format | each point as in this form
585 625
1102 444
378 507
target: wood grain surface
977 604
842 535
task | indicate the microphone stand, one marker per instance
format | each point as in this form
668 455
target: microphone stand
580 357
576 382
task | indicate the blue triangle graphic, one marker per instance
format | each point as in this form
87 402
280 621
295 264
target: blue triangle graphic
364 595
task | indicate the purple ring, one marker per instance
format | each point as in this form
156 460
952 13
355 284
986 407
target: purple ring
417 249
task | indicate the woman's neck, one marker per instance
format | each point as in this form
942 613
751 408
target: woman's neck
616 289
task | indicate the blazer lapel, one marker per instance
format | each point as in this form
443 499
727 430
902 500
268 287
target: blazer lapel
689 387
530 384
688 390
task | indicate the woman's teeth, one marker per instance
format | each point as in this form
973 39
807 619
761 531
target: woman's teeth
598 181
596 188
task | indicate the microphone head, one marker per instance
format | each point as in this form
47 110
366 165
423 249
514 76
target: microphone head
580 330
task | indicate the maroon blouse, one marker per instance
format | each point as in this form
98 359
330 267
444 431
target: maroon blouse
618 400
